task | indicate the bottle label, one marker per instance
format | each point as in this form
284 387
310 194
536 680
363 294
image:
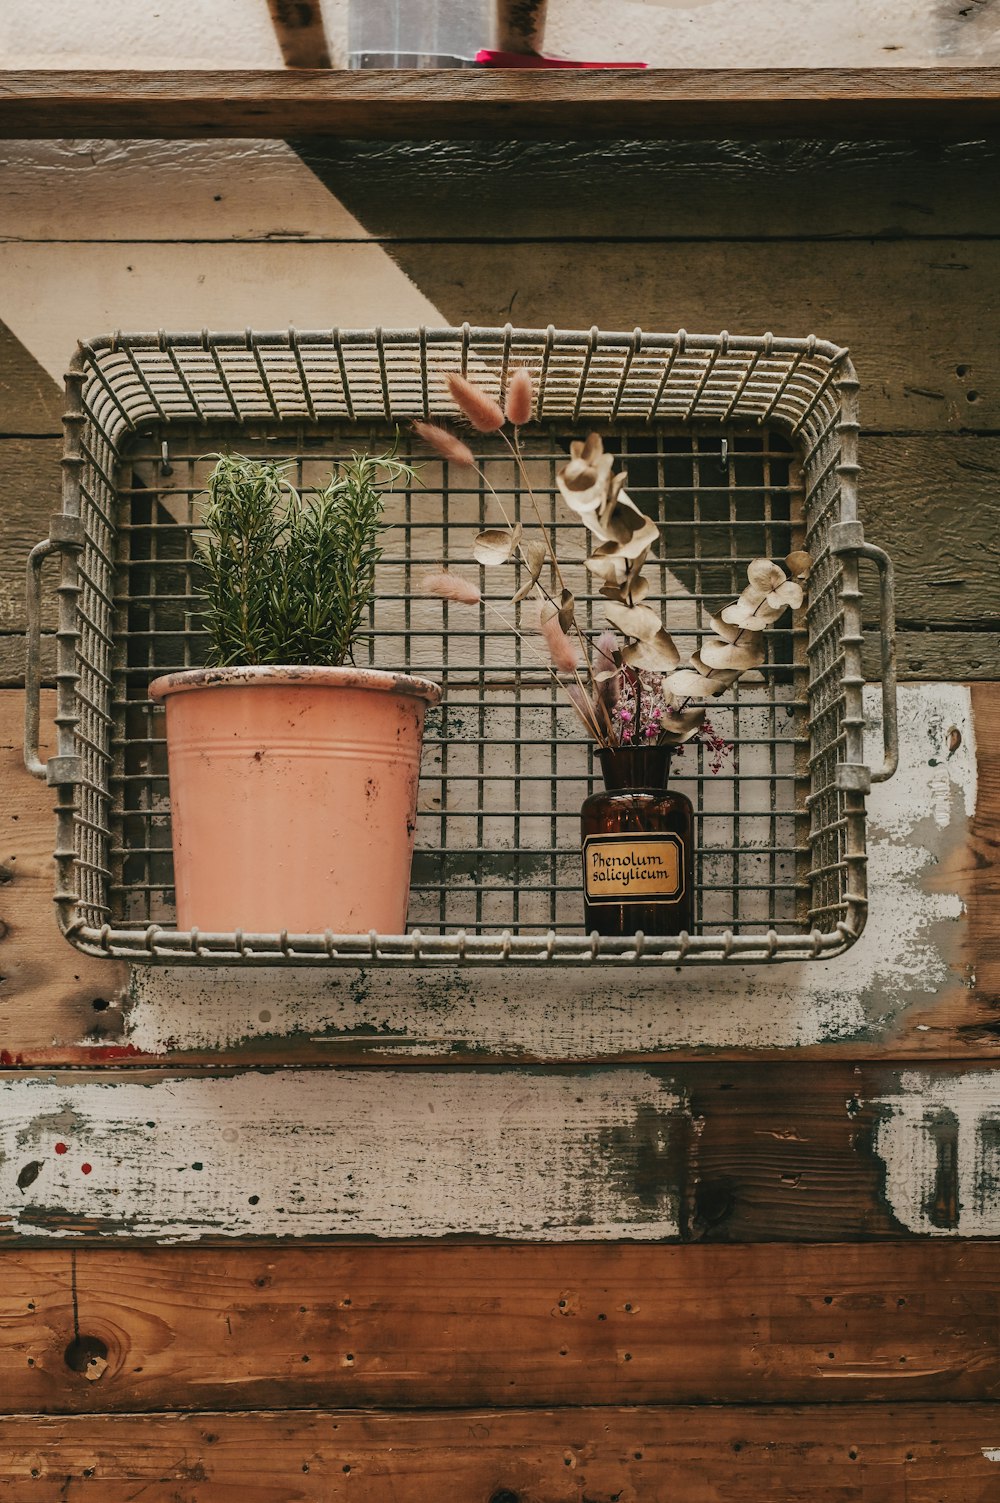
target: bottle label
633 868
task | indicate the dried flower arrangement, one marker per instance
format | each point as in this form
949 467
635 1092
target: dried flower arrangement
636 691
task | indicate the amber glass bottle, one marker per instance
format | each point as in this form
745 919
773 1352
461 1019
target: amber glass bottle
638 847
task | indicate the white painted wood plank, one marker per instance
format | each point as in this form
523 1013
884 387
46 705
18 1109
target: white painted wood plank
926 1119
908 952
375 1153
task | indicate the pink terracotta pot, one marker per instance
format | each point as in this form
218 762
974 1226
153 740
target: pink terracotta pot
293 794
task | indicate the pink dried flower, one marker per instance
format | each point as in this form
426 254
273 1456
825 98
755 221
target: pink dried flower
448 445
561 650
520 398
483 413
452 587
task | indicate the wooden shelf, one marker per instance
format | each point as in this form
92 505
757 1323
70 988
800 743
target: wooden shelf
455 103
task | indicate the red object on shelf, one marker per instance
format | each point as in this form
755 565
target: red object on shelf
487 58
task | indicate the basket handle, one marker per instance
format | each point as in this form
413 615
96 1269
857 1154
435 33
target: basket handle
64 533
849 538
887 645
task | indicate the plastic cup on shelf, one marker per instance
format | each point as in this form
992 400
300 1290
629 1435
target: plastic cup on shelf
418 33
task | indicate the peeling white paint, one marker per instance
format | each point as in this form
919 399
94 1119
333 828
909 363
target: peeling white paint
378 1153
907 1138
903 956
991 1453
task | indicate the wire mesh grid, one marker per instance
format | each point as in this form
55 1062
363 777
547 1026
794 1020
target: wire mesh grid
737 447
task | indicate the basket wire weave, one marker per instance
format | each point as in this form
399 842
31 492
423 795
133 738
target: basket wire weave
738 445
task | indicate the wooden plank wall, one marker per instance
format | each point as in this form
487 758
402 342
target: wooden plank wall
723 1237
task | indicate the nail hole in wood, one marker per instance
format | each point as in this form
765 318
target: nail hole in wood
87 1355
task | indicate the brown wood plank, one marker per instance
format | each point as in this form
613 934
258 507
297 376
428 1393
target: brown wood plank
298 26
69 998
505 189
499 189
426 1326
29 494
899 1453
984 852
435 103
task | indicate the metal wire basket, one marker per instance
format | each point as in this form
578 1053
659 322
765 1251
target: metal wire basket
738 446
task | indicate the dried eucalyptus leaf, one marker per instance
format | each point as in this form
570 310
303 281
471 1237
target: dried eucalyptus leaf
655 655
589 449
495 545
680 725
615 592
533 557
637 590
799 564
750 618
788 594
567 607
723 629
721 677
764 575
625 524
687 684
585 490
635 621
748 652
606 562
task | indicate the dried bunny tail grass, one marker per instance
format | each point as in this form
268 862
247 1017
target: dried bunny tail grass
606 691
483 413
564 654
520 398
452 587
446 444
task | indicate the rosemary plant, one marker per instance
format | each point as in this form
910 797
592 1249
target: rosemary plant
289 580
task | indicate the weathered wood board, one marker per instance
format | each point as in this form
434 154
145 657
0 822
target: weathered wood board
697 1152
922 981
913 488
154 234
486 103
112 1330
551 1168
315 189
866 1454
851 294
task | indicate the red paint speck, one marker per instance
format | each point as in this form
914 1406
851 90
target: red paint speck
60 1148
85 1168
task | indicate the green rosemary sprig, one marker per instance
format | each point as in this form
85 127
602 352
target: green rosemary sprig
289 580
